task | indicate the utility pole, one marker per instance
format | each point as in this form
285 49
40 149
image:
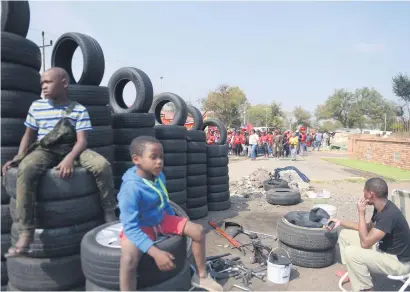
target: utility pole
161 81
43 48
385 122
266 119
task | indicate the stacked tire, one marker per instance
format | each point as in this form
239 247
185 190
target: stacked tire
20 86
129 122
278 192
86 90
307 247
65 211
100 257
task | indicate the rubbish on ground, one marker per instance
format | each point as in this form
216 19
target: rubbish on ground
227 237
212 258
279 268
301 175
260 251
325 194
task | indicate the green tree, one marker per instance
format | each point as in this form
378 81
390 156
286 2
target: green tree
261 115
401 88
303 117
277 116
328 126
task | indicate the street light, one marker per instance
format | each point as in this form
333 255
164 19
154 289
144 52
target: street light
161 81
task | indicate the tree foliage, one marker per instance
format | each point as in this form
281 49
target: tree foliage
401 88
261 115
302 116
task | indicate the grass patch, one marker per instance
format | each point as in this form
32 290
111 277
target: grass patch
376 168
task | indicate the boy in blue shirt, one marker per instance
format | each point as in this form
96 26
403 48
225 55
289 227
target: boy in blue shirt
145 211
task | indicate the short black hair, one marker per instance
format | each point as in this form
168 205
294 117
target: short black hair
138 144
378 186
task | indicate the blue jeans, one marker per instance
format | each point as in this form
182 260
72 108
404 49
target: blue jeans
253 151
293 152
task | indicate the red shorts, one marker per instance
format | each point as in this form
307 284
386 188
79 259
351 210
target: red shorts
169 225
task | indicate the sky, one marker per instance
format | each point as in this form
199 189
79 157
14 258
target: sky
295 53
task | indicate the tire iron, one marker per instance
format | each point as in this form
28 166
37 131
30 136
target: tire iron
232 241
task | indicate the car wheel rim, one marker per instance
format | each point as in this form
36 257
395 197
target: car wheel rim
110 236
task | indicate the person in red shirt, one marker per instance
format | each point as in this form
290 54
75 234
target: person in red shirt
237 143
264 144
270 142
211 138
303 138
228 141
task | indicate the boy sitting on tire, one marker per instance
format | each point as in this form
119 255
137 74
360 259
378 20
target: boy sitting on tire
145 212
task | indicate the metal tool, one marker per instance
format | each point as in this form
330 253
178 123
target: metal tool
242 288
212 258
233 229
227 237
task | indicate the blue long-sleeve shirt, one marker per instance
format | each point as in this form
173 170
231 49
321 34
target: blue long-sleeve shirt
140 207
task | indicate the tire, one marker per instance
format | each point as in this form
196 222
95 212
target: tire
100 263
143 88
88 95
19 50
174 145
107 152
56 242
122 153
298 237
196 147
12 74
15 17
196 116
218 197
5 244
50 274
100 136
175 159
196 169
99 115
197 213
4 276
218 188
181 282
64 213
164 132
196 158
120 167
181 111
175 172
270 184
196 180
310 259
12 130
125 136
196 136
176 185
4 196
218 180
283 196
219 206
178 197
6 220
93 57
221 127
53 188
217 161
10 287
217 171
8 153
196 202
9 99
217 151
195 192
133 120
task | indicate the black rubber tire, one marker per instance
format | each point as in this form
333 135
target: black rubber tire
89 95
218 171
273 183
178 197
6 220
181 282
12 130
5 244
196 147
8 153
53 188
93 57
12 74
197 213
143 88
218 197
49 274
175 159
217 151
100 136
4 276
19 50
310 259
174 145
196 116
196 136
217 161
4 196
196 180
164 132
122 153
15 17
175 172
196 158
107 152
196 202
9 100
219 206
176 185
181 111
56 242
305 238
120 167
57 214
10 287
283 196
198 191
99 115
133 120
218 188
100 264
221 127
196 169
126 135
218 180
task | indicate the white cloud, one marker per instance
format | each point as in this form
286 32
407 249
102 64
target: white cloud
368 48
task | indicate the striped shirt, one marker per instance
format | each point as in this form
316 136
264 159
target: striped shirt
43 117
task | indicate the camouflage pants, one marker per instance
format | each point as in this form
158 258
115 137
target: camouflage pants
35 164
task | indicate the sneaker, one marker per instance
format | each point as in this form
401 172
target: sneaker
207 283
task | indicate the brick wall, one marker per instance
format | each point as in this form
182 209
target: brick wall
388 151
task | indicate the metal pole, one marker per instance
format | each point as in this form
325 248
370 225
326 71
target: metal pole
161 81
43 49
385 122
266 119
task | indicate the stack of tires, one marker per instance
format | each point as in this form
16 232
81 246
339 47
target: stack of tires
197 202
129 122
65 210
174 143
86 90
279 193
20 86
217 170
100 258
307 247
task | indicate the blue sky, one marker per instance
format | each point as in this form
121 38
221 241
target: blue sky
295 53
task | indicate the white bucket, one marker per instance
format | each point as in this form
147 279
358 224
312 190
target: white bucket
330 209
279 272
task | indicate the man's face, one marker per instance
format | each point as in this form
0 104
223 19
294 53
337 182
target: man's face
368 196
152 160
52 85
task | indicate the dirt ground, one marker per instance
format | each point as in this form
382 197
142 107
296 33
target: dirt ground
254 213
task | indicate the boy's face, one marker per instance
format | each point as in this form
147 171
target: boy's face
152 159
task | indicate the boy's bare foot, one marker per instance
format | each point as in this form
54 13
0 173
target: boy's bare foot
341 273
21 248
206 283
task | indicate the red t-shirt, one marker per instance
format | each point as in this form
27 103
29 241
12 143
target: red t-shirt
262 139
270 138
237 140
303 138
211 139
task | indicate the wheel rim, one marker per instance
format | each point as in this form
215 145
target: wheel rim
110 236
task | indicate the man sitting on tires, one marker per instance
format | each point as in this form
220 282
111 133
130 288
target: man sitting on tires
388 227
145 212
56 135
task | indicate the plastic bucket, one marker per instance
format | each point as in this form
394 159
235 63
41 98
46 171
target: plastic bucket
330 209
278 269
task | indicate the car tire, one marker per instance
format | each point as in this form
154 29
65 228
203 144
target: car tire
283 196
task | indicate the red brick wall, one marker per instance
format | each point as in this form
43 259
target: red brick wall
388 151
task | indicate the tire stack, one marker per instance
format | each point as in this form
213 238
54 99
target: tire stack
101 252
65 211
217 170
20 86
129 122
278 192
197 202
86 90
173 140
307 247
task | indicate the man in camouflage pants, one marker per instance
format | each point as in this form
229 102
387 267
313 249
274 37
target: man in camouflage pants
55 136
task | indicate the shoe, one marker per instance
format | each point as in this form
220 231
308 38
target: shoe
207 283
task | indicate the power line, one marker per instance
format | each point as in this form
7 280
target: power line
43 48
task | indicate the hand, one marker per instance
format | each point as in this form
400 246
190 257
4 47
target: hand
361 205
6 166
164 261
66 168
336 222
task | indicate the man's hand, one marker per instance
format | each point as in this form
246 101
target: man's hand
334 220
164 260
6 166
361 205
66 168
